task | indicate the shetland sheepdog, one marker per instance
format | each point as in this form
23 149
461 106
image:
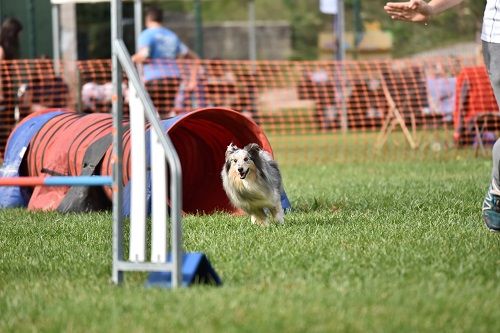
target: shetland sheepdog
252 181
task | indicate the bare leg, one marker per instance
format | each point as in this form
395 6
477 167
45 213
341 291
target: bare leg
495 172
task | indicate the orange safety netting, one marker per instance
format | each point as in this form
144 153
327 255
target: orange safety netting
308 109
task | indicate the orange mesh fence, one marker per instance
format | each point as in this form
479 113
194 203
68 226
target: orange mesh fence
25 86
94 87
310 110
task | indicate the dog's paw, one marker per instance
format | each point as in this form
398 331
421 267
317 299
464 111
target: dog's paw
280 217
259 221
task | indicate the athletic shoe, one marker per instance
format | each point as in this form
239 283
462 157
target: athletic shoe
491 208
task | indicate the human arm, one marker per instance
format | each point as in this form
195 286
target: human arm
141 56
418 10
143 48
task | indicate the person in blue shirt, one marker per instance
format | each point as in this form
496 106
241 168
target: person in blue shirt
158 50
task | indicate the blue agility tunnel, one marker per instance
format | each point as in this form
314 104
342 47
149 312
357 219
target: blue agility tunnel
15 151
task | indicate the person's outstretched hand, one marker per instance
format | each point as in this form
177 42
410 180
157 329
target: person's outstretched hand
411 11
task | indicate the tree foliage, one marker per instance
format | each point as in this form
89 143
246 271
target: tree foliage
458 24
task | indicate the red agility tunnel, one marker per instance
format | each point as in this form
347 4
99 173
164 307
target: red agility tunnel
62 146
200 139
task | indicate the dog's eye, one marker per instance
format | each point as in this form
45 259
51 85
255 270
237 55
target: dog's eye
235 160
245 159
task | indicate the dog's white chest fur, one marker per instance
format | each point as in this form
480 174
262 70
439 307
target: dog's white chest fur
252 182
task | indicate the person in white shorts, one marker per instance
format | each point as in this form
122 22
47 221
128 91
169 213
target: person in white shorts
422 11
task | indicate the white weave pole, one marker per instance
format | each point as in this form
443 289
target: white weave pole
158 201
137 178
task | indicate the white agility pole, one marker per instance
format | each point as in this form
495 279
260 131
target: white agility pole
175 172
137 178
158 200
122 62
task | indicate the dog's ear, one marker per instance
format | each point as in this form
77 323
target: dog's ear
227 165
254 152
252 148
231 149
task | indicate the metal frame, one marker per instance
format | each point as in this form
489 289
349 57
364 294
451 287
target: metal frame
121 61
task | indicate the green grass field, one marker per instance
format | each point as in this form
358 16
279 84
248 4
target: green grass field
370 247
361 146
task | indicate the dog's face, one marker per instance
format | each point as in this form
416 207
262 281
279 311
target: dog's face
241 162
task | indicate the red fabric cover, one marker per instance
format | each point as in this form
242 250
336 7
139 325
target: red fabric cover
479 96
58 149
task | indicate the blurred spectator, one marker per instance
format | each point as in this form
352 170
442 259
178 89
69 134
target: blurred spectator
441 92
9 45
50 93
159 47
94 95
9 39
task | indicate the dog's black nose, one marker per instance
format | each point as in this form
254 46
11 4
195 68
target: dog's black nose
240 170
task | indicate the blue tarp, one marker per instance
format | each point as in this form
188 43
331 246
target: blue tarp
19 139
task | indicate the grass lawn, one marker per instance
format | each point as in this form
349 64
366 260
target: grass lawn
377 247
359 146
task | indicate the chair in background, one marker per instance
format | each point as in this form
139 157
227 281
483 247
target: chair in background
476 111
394 117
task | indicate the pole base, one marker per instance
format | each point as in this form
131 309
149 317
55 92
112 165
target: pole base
196 269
